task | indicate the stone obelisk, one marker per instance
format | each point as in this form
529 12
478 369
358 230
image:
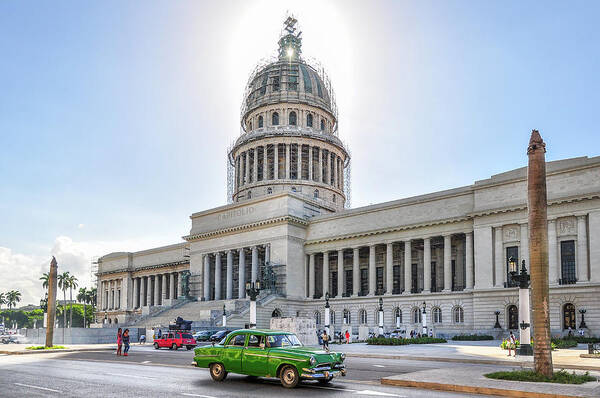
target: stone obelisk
52 281
537 205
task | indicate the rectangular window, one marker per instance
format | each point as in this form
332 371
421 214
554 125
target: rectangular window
349 282
512 251
364 281
567 262
396 284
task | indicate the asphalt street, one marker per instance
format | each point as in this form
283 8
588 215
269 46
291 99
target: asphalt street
161 373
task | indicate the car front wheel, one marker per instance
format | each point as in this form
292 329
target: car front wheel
174 346
217 372
156 347
189 347
289 377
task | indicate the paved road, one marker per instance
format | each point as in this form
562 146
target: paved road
151 373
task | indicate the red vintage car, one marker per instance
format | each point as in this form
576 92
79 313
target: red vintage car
174 339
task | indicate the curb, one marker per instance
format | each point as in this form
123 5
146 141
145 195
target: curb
29 352
472 389
473 361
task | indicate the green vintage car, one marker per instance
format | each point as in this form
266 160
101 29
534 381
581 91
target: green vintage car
269 353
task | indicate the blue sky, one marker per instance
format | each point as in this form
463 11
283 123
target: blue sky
115 116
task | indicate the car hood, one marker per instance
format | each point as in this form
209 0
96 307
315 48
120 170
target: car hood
320 355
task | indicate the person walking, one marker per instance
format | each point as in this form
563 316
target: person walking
143 339
347 337
512 343
325 338
119 341
125 339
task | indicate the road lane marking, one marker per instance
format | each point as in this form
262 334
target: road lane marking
38 388
379 393
379 366
145 362
136 376
197 395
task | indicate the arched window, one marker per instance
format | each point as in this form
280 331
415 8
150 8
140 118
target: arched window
458 315
362 316
436 314
568 316
513 317
316 194
317 317
397 317
322 124
275 119
249 195
416 315
292 118
260 121
276 313
309 120
332 317
347 317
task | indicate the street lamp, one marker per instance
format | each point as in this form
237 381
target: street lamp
327 315
522 279
252 291
380 316
224 317
424 333
582 325
497 325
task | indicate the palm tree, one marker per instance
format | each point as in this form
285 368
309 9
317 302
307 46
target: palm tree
63 284
2 300
45 278
83 297
72 285
12 298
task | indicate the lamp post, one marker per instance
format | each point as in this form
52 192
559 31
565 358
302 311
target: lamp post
424 333
380 316
397 318
327 316
224 317
582 325
523 280
252 291
497 325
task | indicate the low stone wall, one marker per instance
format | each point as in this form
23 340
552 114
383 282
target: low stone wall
304 328
81 335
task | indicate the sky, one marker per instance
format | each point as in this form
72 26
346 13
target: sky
116 116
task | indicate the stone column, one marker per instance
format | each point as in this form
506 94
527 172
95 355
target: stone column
172 295
582 250
299 160
372 271
275 163
149 290
310 162
524 244
247 168
355 271
335 170
229 294
164 289
254 263
265 164
136 293
340 274
320 173
469 259
553 271
407 266
111 295
156 289
241 274
311 275
499 258
389 267
206 277
288 161
218 276
426 265
142 291
255 168
447 263
325 273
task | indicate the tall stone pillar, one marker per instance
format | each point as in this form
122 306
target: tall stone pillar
340 274
469 259
136 293
164 289
553 270
218 276
311 275
447 263
247 168
172 295
241 274
407 266
254 263
325 273
310 163
275 164
207 277
582 250
538 253
288 161
112 295
149 290
156 289
355 271
229 294
265 164
389 268
426 265
499 262
372 271
320 173
299 161
255 168
335 170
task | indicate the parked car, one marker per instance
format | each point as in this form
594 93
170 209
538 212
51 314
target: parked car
204 335
398 333
269 353
218 336
12 338
174 340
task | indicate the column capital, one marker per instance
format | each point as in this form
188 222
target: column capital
551 220
469 233
581 216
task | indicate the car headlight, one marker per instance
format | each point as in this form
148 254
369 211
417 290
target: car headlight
313 361
343 356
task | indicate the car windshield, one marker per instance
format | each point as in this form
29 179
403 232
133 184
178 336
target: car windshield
187 336
283 340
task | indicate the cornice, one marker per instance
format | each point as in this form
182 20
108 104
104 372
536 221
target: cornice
523 206
146 267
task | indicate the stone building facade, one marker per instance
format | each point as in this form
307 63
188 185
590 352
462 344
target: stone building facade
288 227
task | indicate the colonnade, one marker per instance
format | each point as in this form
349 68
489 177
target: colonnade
151 290
111 294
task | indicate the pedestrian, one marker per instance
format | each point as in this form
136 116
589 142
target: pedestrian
325 338
125 339
512 343
143 339
581 332
430 332
119 341
159 334
347 337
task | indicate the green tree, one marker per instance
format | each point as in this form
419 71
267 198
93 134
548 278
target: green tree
72 285
2 300
12 298
63 284
45 278
84 296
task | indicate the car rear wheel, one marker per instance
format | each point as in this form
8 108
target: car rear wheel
156 347
189 347
289 377
174 346
217 372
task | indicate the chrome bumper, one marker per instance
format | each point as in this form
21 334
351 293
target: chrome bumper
322 375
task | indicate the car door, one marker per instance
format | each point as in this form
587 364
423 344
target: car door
164 340
232 353
255 357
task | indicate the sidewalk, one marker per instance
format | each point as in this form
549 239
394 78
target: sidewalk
477 352
19 349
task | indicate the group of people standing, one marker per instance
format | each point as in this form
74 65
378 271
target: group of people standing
123 340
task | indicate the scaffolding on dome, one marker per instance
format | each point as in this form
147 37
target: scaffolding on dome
348 178
230 174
